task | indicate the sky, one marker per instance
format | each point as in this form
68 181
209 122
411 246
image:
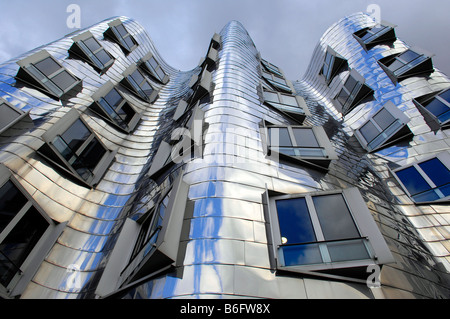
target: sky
284 31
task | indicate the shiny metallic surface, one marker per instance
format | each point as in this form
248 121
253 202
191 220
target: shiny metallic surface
225 248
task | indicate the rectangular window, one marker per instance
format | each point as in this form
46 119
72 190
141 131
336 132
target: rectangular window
121 36
88 48
332 65
43 70
273 75
72 145
353 93
300 143
437 105
324 231
140 85
9 115
386 126
152 67
294 106
427 181
412 62
379 34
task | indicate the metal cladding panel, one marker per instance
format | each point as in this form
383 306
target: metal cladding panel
225 244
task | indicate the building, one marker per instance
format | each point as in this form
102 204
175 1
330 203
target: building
122 177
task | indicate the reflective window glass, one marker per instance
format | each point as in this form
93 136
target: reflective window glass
369 131
279 136
63 80
408 56
7 115
295 222
436 171
11 202
305 137
47 66
288 99
413 180
92 44
384 119
76 134
103 56
113 98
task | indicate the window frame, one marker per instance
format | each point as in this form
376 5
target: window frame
115 35
386 35
129 82
97 107
422 68
319 162
337 65
51 153
431 117
390 135
28 72
291 110
368 230
356 97
79 48
444 158
145 64
20 115
30 265
271 73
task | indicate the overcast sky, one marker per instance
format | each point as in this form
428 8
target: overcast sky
284 31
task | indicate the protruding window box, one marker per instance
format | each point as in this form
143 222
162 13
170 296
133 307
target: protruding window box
333 64
150 65
120 35
111 105
383 33
149 244
87 48
298 144
427 181
353 93
139 84
435 108
75 149
412 62
201 85
27 234
385 127
10 115
209 61
323 233
46 74
275 77
294 106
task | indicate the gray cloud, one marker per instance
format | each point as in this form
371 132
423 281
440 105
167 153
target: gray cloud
284 31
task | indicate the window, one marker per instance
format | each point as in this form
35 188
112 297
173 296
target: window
70 144
213 54
273 75
26 234
386 126
295 106
412 62
43 70
89 49
151 243
201 86
426 181
436 107
380 34
150 65
110 104
9 115
304 144
332 65
119 34
324 231
353 93
138 83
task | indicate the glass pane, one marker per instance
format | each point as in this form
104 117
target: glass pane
445 95
396 65
22 239
8 115
92 44
129 42
436 171
305 137
126 113
47 66
347 250
350 83
113 98
271 97
121 29
63 80
11 202
147 88
302 255
137 76
408 56
76 134
369 131
436 107
103 56
279 136
335 219
412 180
384 119
92 154
295 224
153 63
288 99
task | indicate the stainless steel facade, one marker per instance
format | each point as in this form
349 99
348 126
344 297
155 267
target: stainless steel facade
219 244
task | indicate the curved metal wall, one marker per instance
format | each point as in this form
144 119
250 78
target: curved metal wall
225 248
